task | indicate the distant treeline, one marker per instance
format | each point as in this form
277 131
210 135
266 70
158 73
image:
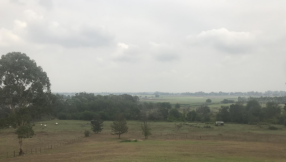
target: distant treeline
84 106
253 113
251 93
250 113
264 100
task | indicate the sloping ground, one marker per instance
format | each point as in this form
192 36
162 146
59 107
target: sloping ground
105 147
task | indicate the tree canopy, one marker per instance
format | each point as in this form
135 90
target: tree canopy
23 85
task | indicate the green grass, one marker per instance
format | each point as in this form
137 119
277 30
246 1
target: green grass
232 142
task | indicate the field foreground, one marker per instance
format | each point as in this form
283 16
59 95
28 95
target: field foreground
245 143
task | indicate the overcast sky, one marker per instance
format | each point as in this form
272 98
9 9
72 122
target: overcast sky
150 45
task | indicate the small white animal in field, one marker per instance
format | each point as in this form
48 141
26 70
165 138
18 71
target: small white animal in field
41 124
45 125
57 123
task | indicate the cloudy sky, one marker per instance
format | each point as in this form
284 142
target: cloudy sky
150 45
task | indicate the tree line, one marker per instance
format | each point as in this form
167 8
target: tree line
84 106
264 100
252 113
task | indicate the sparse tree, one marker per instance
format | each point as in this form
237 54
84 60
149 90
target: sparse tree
24 131
146 130
178 126
96 124
119 125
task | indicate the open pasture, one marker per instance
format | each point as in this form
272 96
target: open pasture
232 142
187 100
191 101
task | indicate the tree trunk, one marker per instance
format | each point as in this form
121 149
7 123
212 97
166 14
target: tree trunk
21 152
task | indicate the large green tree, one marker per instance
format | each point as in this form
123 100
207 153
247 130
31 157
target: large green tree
24 89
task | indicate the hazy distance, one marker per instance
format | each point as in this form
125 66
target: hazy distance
148 46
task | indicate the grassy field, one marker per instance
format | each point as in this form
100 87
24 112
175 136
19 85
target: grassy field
232 142
191 101
188 100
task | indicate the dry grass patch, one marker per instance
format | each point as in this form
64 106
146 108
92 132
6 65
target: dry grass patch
191 144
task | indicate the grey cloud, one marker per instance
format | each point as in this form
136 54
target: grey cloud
48 4
127 53
17 2
165 52
167 57
83 36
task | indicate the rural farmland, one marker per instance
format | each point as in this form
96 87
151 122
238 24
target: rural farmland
193 142
142 81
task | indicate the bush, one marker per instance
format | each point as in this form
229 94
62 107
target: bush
128 140
96 124
86 133
207 126
272 127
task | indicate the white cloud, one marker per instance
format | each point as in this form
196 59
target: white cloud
33 16
7 37
122 45
225 40
126 53
20 24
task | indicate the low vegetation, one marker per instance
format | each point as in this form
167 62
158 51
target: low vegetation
232 142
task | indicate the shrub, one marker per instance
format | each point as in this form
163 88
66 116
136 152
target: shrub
207 126
86 133
272 127
96 124
128 140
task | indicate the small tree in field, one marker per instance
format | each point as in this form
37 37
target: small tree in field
208 101
178 126
97 124
25 131
146 130
119 125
